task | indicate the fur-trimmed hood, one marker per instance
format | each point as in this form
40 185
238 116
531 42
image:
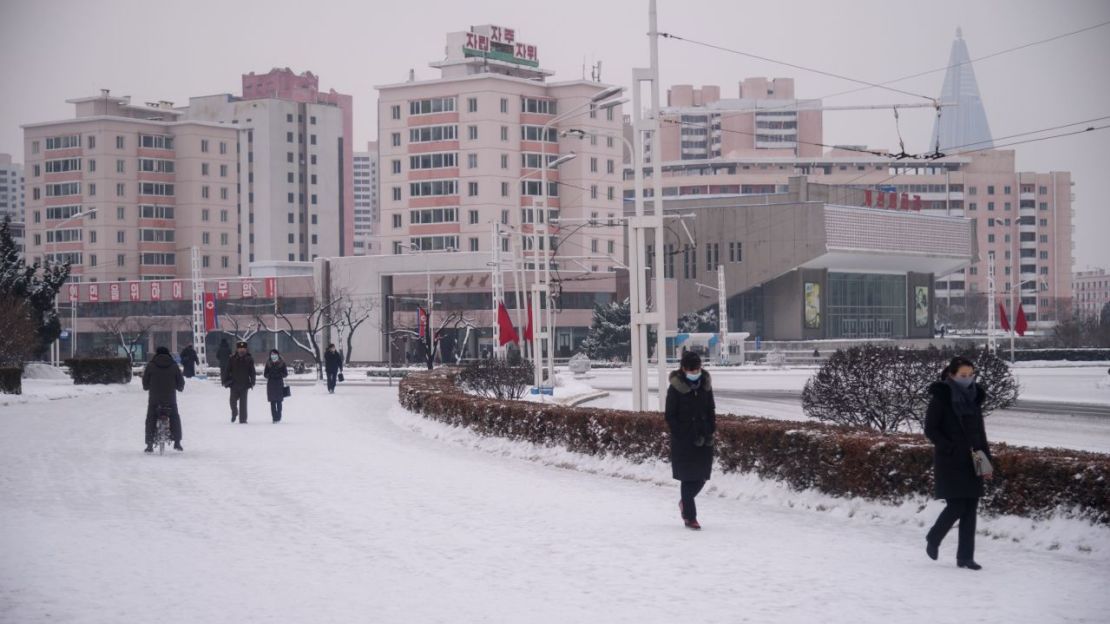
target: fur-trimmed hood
679 383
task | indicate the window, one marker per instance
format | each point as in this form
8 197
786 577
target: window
289 177
610 167
472 105
155 165
292 239
92 189
504 105
431 106
36 171
61 166
92 165
63 236
1044 206
430 215
289 197
204 214
121 259
435 243
505 191
314 199
436 160
612 193
92 142
204 192
396 220
472 189
428 188
205 238
532 160
397 165
119 213
1008 206
36 193
92 259
204 145
593 246
538 106
312 139
536 133
223 171
593 164
223 192
62 212
608 141
1044 222
121 236
396 139
35 145
313 239
1044 255
312 179
58 142
288 137
473 244
203 169
1044 238
120 189
990 206
1006 190
156 236
396 193
473 217
224 262
148 211
471 161
395 111
504 161
972 206
426 134
223 147
120 166
504 133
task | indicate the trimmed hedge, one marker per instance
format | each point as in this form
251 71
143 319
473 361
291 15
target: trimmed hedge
11 380
836 460
99 370
1075 355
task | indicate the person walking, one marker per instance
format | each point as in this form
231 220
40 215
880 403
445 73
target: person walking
275 373
954 424
223 354
162 380
333 365
239 376
189 361
691 415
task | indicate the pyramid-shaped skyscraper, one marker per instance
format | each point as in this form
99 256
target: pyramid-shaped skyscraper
964 124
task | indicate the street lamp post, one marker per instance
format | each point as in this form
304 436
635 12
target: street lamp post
72 304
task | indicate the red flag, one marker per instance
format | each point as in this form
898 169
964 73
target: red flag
867 197
209 311
1020 324
505 325
421 321
528 330
1002 320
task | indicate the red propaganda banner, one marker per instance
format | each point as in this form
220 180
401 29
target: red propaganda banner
867 197
135 293
221 289
1020 325
248 289
113 292
892 201
881 203
271 287
74 293
505 325
94 293
917 203
905 205
209 311
156 291
178 290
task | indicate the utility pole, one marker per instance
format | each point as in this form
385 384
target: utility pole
991 347
722 314
498 290
200 336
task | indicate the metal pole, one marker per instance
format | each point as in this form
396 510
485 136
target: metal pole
991 347
722 314
657 194
1013 294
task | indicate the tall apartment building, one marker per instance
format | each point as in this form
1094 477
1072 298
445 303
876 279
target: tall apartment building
462 152
296 165
366 198
1092 292
123 191
12 196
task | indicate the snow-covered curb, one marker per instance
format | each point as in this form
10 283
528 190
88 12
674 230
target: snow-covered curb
1058 533
42 390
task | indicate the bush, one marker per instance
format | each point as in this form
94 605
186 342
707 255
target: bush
836 460
11 380
1075 355
99 370
496 378
887 388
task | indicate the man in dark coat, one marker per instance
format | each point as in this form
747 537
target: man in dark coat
954 424
162 380
691 416
333 365
189 361
223 354
239 376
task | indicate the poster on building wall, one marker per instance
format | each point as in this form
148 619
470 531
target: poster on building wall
921 306
812 305
94 293
133 290
74 293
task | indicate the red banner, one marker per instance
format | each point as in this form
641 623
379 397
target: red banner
156 291
209 311
917 203
221 289
867 197
271 287
248 289
113 292
94 293
135 293
178 290
1020 325
74 293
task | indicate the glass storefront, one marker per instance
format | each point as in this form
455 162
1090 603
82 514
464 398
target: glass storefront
866 306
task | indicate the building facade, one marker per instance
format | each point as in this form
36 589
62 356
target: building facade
296 165
1092 292
12 197
124 191
366 198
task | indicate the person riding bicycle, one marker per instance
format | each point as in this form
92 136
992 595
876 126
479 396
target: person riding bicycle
162 379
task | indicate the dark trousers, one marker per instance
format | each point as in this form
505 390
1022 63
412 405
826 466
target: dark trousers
331 379
239 403
689 490
152 425
275 410
963 510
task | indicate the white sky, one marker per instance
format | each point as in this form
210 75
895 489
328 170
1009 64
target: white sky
152 49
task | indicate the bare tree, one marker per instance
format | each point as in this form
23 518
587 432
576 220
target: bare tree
352 312
317 321
433 340
239 328
130 330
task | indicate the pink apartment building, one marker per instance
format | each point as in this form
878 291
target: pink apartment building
1092 292
123 191
462 152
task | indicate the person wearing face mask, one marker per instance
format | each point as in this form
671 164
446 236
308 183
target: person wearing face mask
275 373
954 424
691 415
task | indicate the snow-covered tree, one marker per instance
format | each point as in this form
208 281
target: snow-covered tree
610 333
699 322
36 284
130 331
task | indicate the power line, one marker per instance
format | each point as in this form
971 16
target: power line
795 66
1010 136
1054 136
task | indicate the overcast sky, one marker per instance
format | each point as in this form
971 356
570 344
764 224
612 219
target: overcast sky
151 49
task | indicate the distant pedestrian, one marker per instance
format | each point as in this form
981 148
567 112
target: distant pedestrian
691 415
954 424
239 376
189 361
275 373
333 365
162 380
223 354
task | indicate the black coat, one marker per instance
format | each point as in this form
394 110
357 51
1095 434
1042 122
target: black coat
162 380
223 355
189 361
275 374
333 361
691 414
953 441
239 372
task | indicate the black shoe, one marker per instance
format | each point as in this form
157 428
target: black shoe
177 446
233 417
149 448
932 550
242 421
969 564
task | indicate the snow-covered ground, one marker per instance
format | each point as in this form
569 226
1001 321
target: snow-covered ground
354 510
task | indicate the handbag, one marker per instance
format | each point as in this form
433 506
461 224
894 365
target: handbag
340 377
982 464
286 392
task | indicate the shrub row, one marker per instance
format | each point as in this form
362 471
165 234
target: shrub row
1076 355
836 460
99 370
11 380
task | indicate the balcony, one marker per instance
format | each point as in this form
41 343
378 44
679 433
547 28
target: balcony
1032 196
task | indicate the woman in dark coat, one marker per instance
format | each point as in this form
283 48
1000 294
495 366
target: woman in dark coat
189 361
223 354
692 418
954 424
275 373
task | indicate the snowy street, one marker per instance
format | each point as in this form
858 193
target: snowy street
354 510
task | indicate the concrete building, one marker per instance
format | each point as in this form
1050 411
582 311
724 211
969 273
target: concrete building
12 196
366 198
296 165
813 263
1092 292
122 191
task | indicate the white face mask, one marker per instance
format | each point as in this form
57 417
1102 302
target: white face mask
274 357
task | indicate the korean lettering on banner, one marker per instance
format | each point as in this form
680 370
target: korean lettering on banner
178 290
113 292
475 41
917 203
524 51
248 289
498 34
135 292
156 291
94 293
271 287
867 197
74 293
893 201
221 289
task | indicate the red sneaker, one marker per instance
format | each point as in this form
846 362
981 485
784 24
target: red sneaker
693 525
